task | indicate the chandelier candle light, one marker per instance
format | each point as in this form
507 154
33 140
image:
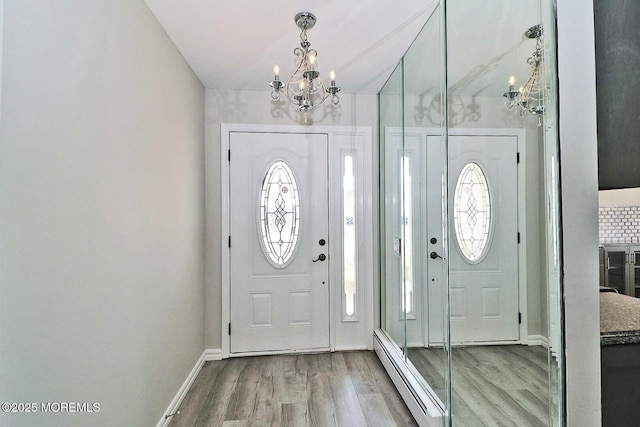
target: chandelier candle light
530 96
305 88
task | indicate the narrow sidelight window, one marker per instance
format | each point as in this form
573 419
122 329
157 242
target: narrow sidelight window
407 242
349 243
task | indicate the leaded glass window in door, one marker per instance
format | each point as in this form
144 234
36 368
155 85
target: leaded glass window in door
472 213
279 214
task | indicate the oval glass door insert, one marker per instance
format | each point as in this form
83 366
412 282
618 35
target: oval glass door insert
472 212
279 214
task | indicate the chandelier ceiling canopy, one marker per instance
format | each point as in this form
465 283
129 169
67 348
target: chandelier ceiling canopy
304 88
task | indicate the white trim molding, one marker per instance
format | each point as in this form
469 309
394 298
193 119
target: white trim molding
165 419
421 401
347 347
538 340
211 354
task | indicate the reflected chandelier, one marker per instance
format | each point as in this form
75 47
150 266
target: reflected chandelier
530 96
304 88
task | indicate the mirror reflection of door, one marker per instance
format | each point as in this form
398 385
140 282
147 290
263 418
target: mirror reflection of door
483 281
484 265
483 255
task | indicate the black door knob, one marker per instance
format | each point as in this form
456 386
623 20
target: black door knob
321 257
434 255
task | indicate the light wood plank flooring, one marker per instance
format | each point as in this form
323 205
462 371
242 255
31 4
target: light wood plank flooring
493 385
328 389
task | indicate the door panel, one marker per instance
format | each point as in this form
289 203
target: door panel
279 296
484 282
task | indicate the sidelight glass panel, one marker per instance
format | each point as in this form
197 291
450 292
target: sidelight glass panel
279 214
407 246
349 233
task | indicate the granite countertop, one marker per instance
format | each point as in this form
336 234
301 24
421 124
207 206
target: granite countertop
619 319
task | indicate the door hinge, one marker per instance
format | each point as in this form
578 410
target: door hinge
519 321
229 155
229 328
518 157
518 238
229 241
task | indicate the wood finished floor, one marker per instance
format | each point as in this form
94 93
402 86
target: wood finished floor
493 385
328 389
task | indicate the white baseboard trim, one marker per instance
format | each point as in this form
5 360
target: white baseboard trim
177 400
350 348
425 411
212 354
538 340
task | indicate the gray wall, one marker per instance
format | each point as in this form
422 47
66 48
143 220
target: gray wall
617 42
254 107
101 213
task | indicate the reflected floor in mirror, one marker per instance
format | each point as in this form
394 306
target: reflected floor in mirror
327 389
494 385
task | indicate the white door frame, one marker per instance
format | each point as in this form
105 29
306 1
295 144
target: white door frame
344 333
520 134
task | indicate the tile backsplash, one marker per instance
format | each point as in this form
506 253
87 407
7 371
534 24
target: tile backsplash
619 224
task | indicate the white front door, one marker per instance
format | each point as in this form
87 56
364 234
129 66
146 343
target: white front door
483 242
279 264
483 284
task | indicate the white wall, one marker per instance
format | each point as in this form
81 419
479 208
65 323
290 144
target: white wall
579 166
102 213
252 107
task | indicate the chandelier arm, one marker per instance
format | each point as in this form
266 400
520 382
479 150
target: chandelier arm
304 87
301 58
531 96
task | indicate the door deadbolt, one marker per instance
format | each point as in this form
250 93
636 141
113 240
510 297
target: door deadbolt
433 240
322 242
321 257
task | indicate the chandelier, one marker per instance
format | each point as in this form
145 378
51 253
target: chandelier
304 88
530 96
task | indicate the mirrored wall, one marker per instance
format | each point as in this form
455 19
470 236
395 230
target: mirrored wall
470 272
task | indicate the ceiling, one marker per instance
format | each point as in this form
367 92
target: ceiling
235 44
